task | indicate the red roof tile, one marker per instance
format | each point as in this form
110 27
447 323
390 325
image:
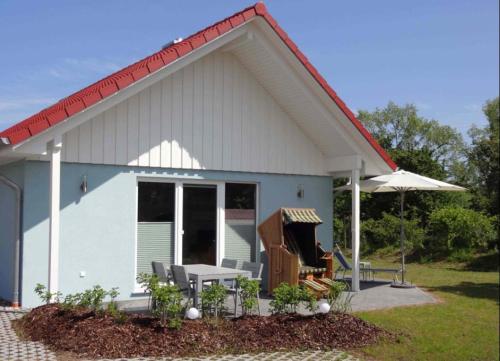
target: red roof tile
125 77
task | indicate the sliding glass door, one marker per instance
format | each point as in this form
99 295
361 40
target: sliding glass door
187 222
199 240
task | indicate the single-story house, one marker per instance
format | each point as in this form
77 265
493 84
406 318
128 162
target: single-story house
176 158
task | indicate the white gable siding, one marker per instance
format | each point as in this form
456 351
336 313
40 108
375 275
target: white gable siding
212 114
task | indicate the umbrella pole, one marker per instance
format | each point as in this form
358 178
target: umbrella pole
402 236
403 283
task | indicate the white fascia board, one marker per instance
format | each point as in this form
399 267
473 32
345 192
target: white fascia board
37 144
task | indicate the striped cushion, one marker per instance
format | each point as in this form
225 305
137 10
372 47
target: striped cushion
308 270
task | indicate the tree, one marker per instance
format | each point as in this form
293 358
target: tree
484 159
417 145
400 128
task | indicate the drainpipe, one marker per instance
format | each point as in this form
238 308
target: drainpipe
17 246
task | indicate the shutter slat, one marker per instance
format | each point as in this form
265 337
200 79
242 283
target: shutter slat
155 242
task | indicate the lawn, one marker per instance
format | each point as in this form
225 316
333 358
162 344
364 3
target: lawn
464 326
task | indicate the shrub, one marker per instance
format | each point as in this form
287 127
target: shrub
149 282
168 305
384 232
71 301
286 298
248 293
336 301
112 307
93 298
45 295
166 300
212 299
454 228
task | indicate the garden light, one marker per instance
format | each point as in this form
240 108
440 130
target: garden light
193 313
324 307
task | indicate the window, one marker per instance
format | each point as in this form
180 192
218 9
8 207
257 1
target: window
155 224
240 232
240 196
156 202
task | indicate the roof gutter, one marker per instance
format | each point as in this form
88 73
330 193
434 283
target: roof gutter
17 245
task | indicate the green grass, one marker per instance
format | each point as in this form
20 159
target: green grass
463 326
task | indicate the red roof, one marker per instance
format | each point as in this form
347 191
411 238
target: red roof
113 83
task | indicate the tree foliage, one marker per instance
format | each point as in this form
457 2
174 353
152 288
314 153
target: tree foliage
484 161
438 151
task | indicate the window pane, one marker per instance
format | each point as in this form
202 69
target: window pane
240 233
240 196
156 202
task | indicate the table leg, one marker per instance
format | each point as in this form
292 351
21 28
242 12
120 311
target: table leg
199 287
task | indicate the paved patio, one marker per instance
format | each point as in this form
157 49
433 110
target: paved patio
374 295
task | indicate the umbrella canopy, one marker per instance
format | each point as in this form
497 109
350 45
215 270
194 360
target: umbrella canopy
402 181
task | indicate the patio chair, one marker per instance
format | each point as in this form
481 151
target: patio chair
346 266
256 269
162 270
181 279
229 263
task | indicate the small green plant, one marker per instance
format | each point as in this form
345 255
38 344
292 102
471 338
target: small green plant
165 300
112 306
149 282
71 301
47 296
248 290
93 298
287 298
336 300
309 299
168 305
212 300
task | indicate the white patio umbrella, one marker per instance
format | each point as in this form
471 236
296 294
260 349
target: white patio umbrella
402 182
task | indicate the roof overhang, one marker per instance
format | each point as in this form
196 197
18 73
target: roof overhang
267 52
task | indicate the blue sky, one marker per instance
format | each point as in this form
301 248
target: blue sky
443 56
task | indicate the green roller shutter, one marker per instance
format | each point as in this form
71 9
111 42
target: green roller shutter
155 242
240 240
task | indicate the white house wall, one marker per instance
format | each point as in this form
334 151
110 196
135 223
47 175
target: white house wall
212 114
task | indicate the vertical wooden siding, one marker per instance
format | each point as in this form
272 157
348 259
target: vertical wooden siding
212 114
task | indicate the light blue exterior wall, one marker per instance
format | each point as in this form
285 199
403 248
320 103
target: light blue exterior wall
98 229
15 173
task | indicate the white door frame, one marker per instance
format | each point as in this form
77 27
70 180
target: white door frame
178 218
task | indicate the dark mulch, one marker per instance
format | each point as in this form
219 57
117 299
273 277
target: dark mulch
92 335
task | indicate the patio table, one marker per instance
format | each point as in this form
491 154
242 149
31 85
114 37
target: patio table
200 273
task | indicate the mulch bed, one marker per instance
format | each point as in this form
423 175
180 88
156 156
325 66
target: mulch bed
91 335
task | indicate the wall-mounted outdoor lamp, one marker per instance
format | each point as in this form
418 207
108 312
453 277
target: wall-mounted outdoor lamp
300 191
83 185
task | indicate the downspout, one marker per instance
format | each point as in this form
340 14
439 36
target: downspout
17 246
